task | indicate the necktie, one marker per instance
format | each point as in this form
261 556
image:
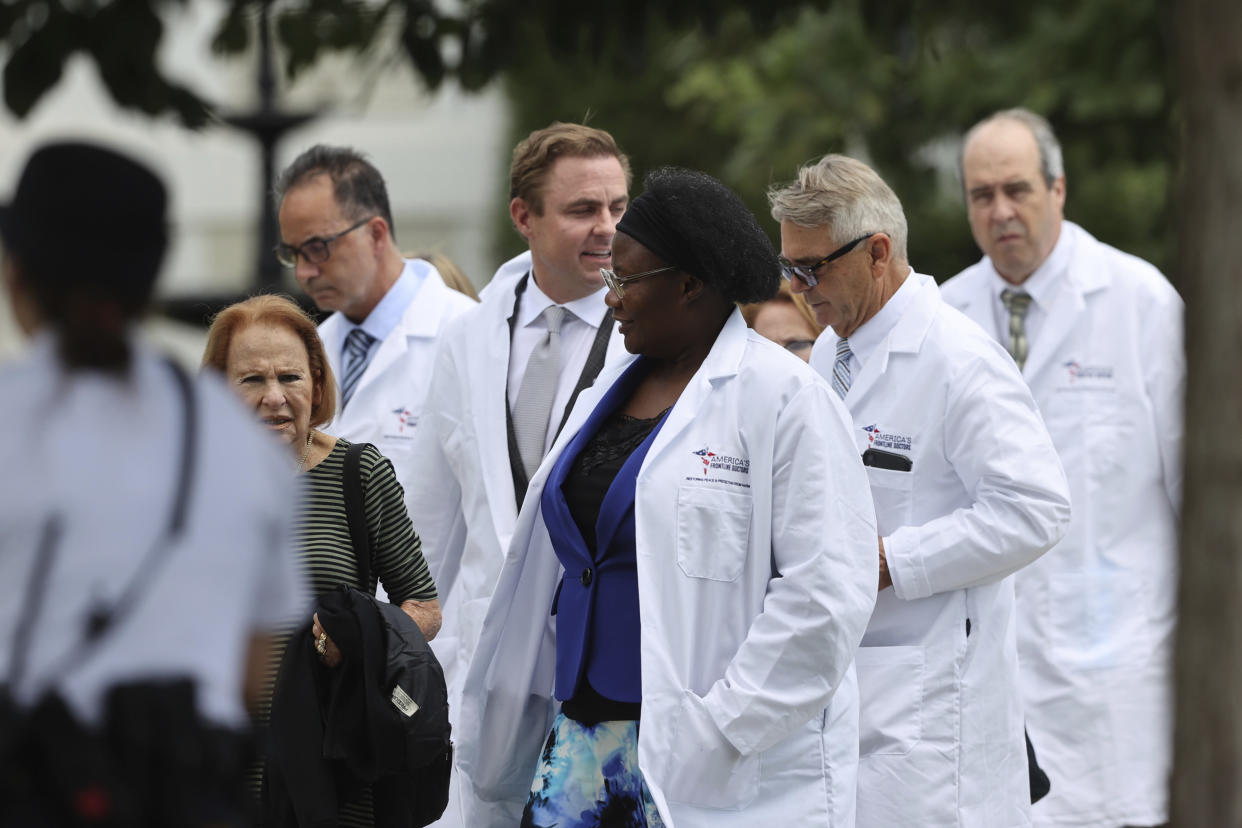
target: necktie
357 350
1017 303
841 368
534 400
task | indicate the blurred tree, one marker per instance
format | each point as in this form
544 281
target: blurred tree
895 83
470 40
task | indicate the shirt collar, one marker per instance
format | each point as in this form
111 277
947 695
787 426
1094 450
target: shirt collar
1042 283
871 333
384 317
590 309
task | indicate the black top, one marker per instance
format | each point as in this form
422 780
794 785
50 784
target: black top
593 471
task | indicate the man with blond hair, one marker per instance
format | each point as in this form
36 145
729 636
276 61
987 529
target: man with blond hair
1097 335
967 490
508 372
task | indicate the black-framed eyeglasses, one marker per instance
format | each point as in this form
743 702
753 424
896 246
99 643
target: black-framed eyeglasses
617 283
316 250
806 273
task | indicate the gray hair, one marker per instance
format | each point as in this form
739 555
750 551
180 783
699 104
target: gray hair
844 194
1051 164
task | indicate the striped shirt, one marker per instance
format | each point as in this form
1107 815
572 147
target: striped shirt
326 550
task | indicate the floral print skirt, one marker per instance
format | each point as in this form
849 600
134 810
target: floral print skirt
588 777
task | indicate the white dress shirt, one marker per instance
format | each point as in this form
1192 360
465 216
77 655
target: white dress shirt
578 331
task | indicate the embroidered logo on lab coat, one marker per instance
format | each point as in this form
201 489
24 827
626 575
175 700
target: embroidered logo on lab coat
882 439
1087 373
722 468
405 417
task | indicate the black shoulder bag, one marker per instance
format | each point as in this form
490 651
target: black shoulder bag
429 796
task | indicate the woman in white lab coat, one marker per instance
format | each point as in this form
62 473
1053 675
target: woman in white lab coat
697 551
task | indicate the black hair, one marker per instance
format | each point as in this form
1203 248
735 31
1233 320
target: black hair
700 226
356 184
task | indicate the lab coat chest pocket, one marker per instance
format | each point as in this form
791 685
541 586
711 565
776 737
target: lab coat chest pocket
713 532
890 491
890 685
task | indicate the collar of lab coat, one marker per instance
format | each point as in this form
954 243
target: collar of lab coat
905 337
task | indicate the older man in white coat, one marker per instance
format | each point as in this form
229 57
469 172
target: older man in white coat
487 428
1097 335
336 232
967 490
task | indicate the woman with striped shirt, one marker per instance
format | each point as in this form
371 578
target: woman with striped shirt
269 352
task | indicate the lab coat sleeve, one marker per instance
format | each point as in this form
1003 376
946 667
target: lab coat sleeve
1162 347
822 590
433 495
999 448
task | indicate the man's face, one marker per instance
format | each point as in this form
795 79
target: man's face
1015 216
349 279
847 291
583 199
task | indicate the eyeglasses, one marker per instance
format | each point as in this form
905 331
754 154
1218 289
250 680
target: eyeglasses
617 283
807 272
316 250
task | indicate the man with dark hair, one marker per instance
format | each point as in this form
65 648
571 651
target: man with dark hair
509 370
1097 335
337 234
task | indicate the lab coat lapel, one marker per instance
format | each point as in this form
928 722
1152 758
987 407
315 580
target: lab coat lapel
1084 275
722 362
906 337
490 360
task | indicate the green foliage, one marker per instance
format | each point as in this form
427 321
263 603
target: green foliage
896 84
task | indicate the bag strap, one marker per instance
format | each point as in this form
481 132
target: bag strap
355 512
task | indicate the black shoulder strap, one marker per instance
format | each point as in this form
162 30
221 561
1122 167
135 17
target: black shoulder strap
355 512
594 363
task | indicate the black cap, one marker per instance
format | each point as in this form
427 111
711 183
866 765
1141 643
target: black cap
84 215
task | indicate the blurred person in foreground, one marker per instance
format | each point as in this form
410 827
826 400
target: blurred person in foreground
270 354
967 488
1097 335
671 639
787 320
145 525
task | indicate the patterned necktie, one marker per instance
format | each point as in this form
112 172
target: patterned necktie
357 351
1017 303
534 400
841 368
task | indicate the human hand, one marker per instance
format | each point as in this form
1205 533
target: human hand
886 580
328 653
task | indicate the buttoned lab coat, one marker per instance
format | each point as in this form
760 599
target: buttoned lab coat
941 725
388 399
756 559
1097 613
461 500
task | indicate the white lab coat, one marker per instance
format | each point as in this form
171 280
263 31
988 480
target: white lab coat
1097 613
755 575
388 400
941 725
462 500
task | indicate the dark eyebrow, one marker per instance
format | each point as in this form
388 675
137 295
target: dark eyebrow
583 202
983 190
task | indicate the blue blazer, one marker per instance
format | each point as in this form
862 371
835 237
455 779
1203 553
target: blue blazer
596 603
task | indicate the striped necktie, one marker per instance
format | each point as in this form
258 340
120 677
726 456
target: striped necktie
533 408
841 368
357 357
1017 303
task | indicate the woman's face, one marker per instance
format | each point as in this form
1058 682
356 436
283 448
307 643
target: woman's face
269 369
648 315
780 321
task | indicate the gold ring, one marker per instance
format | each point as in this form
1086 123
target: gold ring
322 644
